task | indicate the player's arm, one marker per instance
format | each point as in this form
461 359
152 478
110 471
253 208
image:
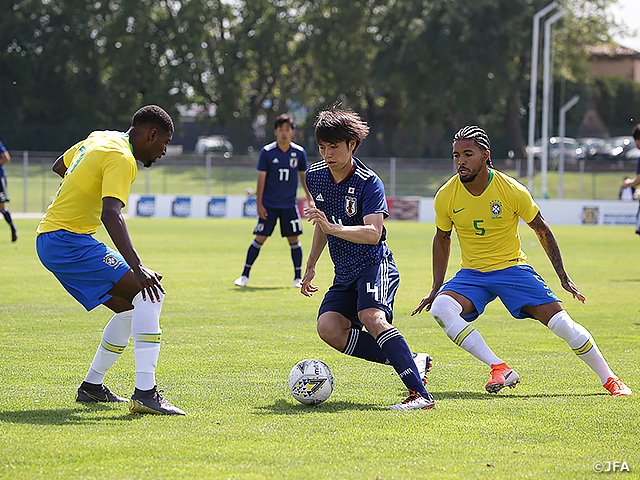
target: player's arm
318 244
262 180
303 182
59 167
5 158
632 182
369 233
551 248
441 251
113 221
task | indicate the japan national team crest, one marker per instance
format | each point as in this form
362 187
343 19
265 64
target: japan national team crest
351 205
293 162
496 208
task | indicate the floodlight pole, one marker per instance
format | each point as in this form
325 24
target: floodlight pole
562 120
533 88
546 95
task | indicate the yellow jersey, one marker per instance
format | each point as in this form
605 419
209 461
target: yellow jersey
487 224
100 166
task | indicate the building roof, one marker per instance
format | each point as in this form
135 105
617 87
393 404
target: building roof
608 50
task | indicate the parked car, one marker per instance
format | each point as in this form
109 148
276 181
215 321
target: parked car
218 145
592 148
617 148
572 149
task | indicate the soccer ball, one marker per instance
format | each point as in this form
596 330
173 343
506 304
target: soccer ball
311 381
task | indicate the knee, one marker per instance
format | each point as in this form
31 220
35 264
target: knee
325 329
444 309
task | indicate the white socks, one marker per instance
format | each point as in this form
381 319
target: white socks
115 338
581 343
446 312
145 327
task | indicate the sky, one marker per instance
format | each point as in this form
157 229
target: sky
628 12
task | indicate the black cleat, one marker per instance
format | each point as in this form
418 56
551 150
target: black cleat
14 235
86 394
151 401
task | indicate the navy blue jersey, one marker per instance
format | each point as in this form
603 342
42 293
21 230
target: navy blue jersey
2 150
346 203
282 174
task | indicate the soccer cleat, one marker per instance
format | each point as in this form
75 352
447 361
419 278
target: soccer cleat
297 283
241 281
14 235
102 394
616 387
151 401
502 376
415 401
423 362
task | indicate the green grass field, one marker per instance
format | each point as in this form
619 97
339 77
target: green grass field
227 352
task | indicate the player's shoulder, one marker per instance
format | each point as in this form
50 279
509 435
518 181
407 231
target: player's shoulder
297 147
449 185
317 167
362 171
508 182
270 146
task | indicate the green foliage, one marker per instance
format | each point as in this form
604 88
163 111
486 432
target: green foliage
415 69
226 354
618 102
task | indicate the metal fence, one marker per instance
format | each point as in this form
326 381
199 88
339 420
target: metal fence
31 183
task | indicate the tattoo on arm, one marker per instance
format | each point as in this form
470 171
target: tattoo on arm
446 235
549 243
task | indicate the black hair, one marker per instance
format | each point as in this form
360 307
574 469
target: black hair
155 116
334 126
282 119
478 135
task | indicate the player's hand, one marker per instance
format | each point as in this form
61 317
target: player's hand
572 288
307 289
317 217
149 283
262 212
425 303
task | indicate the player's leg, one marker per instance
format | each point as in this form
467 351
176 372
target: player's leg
87 269
291 227
147 334
264 229
5 211
581 342
395 348
461 300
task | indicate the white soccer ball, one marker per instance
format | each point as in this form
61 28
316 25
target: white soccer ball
311 381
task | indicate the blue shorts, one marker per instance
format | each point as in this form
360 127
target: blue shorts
86 268
290 224
518 286
375 287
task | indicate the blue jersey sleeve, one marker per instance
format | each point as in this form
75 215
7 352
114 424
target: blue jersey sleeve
262 161
2 148
302 160
374 199
638 167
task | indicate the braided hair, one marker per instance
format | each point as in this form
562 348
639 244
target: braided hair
478 135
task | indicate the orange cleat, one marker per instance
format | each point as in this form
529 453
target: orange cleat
616 387
502 376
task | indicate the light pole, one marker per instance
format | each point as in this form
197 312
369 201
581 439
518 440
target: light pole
533 88
562 121
546 94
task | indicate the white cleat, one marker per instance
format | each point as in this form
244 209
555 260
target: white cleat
423 362
415 401
241 281
297 283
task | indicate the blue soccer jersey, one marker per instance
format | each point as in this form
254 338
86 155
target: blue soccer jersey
2 150
346 203
282 170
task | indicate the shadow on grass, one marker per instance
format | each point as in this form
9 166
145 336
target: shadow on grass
257 289
457 395
282 407
80 415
